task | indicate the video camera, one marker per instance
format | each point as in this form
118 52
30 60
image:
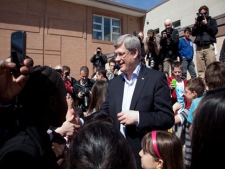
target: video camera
200 17
151 38
168 34
85 92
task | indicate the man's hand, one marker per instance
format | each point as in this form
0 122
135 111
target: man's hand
204 22
128 117
11 85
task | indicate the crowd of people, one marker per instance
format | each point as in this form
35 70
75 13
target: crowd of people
140 113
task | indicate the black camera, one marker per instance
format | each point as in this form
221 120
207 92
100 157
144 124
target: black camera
151 38
98 52
168 34
85 93
200 17
66 74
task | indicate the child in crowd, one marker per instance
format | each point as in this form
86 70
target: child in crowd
100 145
186 52
161 150
177 88
214 79
194 90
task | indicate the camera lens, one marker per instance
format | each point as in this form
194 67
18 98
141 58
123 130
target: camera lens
66 73
151 38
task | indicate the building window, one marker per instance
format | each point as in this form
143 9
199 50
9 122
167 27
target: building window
106 28
156 31
176 24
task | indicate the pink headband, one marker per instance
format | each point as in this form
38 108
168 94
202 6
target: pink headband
155 144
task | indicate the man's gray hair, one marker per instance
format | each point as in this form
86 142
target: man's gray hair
130 42
168 21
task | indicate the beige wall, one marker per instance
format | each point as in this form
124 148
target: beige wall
58 32
183 10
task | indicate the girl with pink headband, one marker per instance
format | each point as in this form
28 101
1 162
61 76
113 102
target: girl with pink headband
161 150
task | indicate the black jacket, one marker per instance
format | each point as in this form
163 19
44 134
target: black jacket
99 61
28 149
205 34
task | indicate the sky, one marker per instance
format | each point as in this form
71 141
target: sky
142 4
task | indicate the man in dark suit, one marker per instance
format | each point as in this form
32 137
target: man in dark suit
139 99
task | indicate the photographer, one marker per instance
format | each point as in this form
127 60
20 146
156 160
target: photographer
98 59
152 51
169 45
82 89
205 30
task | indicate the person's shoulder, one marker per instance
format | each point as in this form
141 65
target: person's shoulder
190 40
182 40
115 80
24 144
174 30
197 100
153 72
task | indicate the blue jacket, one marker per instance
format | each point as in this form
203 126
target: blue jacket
185 49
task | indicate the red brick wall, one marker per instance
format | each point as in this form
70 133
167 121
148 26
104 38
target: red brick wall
58 32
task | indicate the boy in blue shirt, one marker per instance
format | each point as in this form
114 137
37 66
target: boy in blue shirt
186 52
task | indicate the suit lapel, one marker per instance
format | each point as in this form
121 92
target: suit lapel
119 94
142 78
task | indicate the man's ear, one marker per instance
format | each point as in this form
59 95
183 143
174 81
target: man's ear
160 164
135 53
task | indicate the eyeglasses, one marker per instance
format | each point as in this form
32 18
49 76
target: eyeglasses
167 25
121 54
204 13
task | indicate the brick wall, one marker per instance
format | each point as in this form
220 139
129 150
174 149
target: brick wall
58 32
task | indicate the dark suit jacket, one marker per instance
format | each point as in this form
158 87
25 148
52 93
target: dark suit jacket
151 98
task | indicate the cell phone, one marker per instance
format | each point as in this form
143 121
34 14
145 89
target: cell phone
174 82
18 50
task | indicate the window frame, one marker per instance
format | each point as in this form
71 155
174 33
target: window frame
102 27
176 22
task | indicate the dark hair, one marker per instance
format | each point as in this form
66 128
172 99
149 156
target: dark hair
169 148
196 84
203 7
151 30
100 115
102 71
85 69
99 145
207 131
215 75
98 95
38 98
112 60
177 64
98 48
66 68
187 29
